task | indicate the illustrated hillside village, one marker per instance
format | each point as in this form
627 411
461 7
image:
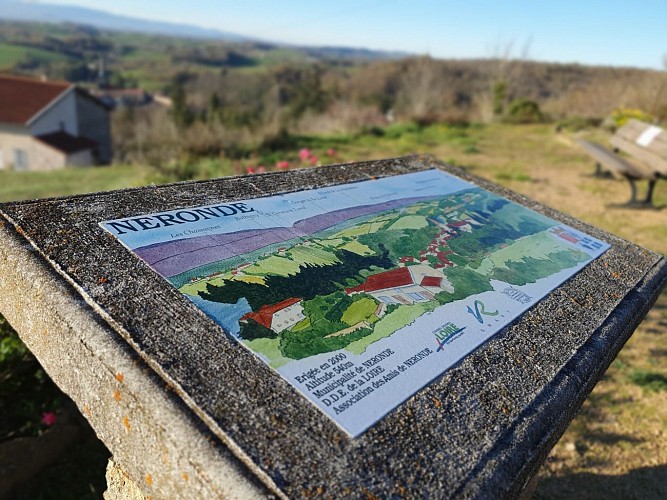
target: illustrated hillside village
415 279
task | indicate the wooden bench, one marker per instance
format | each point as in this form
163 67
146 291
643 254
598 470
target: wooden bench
646 144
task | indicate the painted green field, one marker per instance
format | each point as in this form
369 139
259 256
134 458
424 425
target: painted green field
409 222
369 227
356 247
538 246
269 348
360 310
312 255
279 266
402 316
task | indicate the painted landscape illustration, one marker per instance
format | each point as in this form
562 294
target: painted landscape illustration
348 278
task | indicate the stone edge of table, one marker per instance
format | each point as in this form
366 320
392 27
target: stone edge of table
134 412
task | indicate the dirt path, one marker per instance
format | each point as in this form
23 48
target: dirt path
347 331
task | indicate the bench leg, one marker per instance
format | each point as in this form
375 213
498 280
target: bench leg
649 193
633 192
600 172
648 201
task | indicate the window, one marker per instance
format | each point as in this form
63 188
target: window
416 296
20 159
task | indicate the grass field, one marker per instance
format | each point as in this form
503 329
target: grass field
28 185
12 54
617 446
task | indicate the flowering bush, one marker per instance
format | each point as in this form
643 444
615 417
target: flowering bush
304 154
49 418
28 397
620 116
259 169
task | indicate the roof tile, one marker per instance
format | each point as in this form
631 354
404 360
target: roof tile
22 98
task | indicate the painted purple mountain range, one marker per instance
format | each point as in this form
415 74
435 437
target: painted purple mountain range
175 257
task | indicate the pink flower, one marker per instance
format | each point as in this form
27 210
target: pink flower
49 418
250 170
283 165
304 154
331 152
313 160
261 169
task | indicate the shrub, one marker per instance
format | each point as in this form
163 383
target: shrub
524 111
650 381
26 392
278 141
577 123
499 95
426 119
620 116
374 131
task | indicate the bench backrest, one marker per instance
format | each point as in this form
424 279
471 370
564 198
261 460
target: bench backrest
645 142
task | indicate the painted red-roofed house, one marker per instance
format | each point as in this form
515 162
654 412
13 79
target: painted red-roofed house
405 285
435 281
402 261
47 124
389 279
461 225
279 316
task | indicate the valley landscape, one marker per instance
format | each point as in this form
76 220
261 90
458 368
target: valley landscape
246 107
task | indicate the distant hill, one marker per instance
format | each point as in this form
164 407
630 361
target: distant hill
13 10
350 53
259 86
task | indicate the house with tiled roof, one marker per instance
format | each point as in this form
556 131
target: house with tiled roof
404 285
46 125
279 316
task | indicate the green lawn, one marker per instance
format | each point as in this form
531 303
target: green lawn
28 185
12 54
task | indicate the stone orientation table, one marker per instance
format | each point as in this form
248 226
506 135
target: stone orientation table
187 411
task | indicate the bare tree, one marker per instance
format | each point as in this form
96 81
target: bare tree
421 95
506 72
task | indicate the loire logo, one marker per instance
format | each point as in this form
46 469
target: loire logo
480 310
447 333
